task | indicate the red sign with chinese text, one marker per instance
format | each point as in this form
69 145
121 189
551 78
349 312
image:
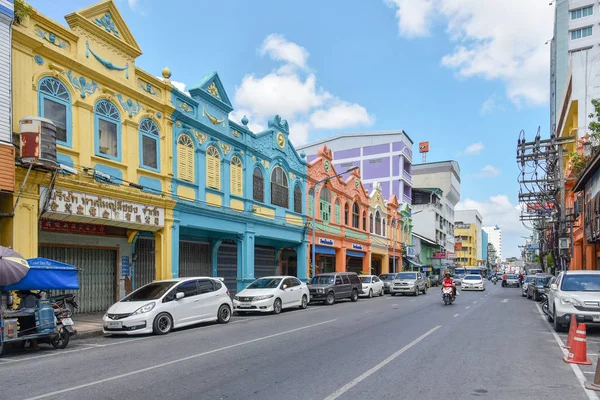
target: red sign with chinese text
72 227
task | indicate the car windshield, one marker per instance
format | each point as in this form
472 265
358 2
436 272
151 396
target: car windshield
406 275
322 280
529 279
581 283
387 277
365 279
151 291
542 281
472 278
511 277
265 283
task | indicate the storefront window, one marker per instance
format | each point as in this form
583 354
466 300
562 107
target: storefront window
325 205
55 104
149 134
355 216
108 130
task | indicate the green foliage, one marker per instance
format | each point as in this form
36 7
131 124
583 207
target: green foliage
579 162
550 260
536 259
22 10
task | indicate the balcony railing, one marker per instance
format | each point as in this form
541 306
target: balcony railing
406 175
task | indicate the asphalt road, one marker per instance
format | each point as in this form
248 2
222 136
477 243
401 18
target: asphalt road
491 344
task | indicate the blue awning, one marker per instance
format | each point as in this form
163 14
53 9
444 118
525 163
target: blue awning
351 253
416 264
325 250
45 274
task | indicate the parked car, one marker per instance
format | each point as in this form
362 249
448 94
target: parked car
272 294
526 282
458 279
511 280
160 306
575 292
538 286
387 280
473 282
435 280
371 284
409 282
330 287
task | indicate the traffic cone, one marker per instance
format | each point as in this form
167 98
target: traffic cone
578 351
596 384
572 330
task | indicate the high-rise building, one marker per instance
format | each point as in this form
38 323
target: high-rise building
472 217
574 50
495 238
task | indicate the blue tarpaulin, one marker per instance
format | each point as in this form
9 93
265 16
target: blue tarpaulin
45 274
351 253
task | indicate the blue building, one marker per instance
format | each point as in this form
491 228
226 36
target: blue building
241 195
484 246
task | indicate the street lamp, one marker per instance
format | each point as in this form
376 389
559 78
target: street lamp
314 254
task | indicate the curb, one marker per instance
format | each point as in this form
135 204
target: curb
87 334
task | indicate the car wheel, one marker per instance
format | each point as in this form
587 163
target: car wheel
425 290
224 314
277 306
393 293
417 290
370 293
528 296
557 327
354 296
330 300
163 323
549 316
381 292
304 302
534 296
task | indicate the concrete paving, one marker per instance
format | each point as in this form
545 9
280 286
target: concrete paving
491 344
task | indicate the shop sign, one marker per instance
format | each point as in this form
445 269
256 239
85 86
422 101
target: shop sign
83 205
124 266
439 256
357 246
458 246
72 227
451 256
410 252
326 242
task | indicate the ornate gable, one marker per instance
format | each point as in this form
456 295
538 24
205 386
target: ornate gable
377 198
211 88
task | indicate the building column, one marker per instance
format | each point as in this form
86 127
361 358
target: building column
576 263
385 264
175 247
366 264
301 258
246 259
163 246
590 257
214 253
25 222
340 260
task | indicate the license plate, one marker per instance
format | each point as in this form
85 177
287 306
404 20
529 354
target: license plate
596 318
114 324
245 305
67 321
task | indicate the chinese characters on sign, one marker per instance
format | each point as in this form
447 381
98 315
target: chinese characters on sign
72 227
88 206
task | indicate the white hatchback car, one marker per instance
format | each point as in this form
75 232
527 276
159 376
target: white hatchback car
161 306
371 284
472 282
272 294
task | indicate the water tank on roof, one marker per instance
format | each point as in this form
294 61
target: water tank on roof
38 141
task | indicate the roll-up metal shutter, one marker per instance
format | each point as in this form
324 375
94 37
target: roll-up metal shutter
354 264
264 262
194 259
227 265
97 275
144 269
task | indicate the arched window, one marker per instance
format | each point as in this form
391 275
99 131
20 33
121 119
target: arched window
311 202
364 218
185 158
371 224
337 212
279 188
236 186
258 185
355 216
213 168
383 225
149 143
378 223
346 214
297 199
108 130
325 205
55 104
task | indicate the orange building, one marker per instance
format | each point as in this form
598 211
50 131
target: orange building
341 207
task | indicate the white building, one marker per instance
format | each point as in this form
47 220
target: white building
437 223
472 217
495 238
575 49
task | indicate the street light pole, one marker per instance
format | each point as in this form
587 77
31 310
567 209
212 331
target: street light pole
314 254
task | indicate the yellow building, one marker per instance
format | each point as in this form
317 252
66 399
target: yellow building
465 236
105 208
379 232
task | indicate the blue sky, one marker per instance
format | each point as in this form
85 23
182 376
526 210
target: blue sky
463 75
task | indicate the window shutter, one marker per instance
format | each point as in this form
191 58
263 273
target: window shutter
185 158
311 202
236 177
213 169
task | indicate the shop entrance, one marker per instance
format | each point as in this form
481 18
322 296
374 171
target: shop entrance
376 266
194 259
354 264
144 268
288 263
227 265
264 261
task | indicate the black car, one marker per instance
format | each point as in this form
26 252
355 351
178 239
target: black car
334 286
539 284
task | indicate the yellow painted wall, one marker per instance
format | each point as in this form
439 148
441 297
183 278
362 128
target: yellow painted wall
264 212
186 192
214 200
237 205
293 219
471 245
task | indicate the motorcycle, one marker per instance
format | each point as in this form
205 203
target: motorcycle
64 301
448 295
495 280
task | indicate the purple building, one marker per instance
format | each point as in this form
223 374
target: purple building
384 157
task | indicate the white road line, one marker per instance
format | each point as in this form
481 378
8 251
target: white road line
504 300
376 368
393 305
93 345
139 371
475 302
589 372
467 307
412 300
576 370
456 315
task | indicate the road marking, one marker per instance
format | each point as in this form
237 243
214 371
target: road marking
467 307
576 369
475 302
504 300
139 371
589 372
93 344
393 305
412 300
376 368
456 315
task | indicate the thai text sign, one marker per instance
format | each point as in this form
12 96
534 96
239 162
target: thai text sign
439 256
357 246
326 242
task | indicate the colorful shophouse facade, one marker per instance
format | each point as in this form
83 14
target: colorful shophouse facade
240 210
103 207
341 224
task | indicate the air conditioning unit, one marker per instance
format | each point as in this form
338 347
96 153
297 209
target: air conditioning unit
37 141
563 243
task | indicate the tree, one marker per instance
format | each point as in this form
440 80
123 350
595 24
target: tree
22 10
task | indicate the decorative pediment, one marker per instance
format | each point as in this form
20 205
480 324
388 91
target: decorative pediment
377 197
104 20
211 89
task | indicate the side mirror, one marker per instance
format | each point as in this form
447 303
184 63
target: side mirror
284 287
179 295
553 286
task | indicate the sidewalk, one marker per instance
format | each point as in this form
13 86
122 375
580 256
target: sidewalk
87 325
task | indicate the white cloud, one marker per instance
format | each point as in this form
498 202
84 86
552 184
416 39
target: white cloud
413 16
475 148
341 115
238 114
132 4
180 86
488 171
279 49
495 39
490 104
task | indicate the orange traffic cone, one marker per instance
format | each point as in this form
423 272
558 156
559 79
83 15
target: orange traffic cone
578 352
596 384
572 330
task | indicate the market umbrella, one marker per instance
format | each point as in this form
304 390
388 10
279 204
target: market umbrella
13 267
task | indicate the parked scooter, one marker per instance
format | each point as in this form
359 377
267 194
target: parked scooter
65 301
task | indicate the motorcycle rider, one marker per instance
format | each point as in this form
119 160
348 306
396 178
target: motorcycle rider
449 282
